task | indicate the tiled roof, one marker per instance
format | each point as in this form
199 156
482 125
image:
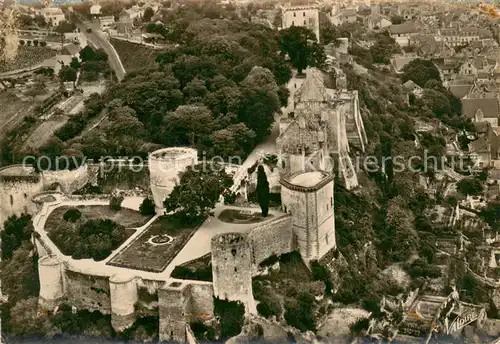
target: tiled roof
489 107
460 91
399 62
480 145
406 27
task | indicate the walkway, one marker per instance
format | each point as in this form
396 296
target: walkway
197 246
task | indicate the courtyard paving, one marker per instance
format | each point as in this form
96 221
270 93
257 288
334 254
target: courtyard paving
197 246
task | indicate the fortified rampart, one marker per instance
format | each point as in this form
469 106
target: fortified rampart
232 269
273 237
164 167
180 303
19 183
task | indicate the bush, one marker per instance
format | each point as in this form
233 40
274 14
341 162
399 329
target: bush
201 274
147 207
299 312
420 268
43 44
72 215
115 203
269 307
231 315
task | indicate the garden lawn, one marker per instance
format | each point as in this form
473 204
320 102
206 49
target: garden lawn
141 255
126 217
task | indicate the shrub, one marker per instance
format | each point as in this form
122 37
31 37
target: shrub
22 42
147 207
72 215
200 274
43 44
115 203
421 268
231 315
269 307
299 312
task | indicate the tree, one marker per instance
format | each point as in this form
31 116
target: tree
148 14
234 141
16 231
437 102
188 123
72 215
147 207
75 63
68 74
492 215
302 47
262 190
470 186
87 54
36 89
198 190
115 203
385 46
420 72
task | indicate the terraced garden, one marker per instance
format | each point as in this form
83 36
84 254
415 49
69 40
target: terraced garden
28 57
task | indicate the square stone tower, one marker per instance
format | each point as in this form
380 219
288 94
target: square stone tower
308 196
307 16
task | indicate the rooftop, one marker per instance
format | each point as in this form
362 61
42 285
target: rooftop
308 179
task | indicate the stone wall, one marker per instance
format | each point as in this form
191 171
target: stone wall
172 302
88 292
273 237
232 268
200 302
69 180
16 192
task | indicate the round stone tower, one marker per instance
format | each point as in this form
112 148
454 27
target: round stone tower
123 295
164 167
18 183
50 274
308 196
232 269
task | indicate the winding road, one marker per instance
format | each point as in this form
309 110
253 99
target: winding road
99 40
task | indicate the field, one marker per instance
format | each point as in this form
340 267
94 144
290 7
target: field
134 56
126 217
13 111
142 255
28 57
44 132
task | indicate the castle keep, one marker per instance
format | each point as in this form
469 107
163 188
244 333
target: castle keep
321 123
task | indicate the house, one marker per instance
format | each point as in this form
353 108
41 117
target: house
402 32
376 21
413 88
460 91
456 36
53 15
447 69
95 9
481 110
106 22
307 16
480 151
398 62
347 15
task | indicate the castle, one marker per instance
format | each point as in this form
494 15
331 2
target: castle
322 123
306 223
